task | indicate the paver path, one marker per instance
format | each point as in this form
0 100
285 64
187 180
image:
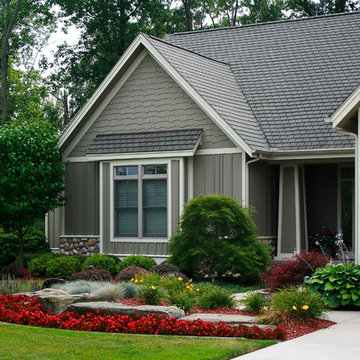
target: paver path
338 342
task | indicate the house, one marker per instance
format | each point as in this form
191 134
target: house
236 110
346 120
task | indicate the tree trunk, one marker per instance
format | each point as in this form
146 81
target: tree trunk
188 15
9 23
21 243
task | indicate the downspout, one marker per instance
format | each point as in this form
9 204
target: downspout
247 185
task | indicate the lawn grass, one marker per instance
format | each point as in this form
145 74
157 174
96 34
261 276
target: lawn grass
25 342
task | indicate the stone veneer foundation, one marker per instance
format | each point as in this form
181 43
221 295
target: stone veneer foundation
79 245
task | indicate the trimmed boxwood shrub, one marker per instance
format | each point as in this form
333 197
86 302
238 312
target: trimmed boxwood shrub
91 275
338 284
38 265
129 273
102 262
138 260
292 272
216 236
62 267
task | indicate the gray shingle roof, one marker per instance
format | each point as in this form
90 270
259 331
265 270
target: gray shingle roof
292 74
175 140
215 82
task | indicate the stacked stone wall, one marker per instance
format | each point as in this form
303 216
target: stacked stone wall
79 246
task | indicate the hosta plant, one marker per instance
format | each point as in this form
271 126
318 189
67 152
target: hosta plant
338 284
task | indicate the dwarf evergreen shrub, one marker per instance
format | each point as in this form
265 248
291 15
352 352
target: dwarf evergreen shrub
216 236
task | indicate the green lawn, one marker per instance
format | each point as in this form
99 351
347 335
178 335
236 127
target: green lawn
25 342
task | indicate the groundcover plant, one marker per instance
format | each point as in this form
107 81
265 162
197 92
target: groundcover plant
29 311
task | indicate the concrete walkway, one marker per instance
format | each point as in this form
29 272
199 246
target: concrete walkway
338 342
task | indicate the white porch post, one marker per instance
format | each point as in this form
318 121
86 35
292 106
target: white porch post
357 194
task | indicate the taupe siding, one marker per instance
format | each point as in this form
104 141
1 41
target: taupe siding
218 174
54 227
264 197
82 192
151 100
288 221
321 197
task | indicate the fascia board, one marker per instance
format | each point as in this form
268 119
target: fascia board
352 102
197 98
175 75
114 71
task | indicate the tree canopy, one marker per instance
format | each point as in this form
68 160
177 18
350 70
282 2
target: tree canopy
31 175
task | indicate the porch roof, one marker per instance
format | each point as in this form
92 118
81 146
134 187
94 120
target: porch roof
153 141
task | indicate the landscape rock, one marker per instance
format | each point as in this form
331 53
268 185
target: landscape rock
48 283
92 242
228 319
57 300
105 307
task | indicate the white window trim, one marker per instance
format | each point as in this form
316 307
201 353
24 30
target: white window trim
113 238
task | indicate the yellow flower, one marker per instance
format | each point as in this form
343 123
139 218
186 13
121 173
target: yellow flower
141 280
190 280
188 287
180 278
153 287
136 280
305 307
197 289
132 279
294 307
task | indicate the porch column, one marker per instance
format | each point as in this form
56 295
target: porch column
357 194
292 227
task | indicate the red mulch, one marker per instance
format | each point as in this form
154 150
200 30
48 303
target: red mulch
302 328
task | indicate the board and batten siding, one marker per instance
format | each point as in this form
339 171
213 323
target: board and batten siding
82 193
264 197
54 227
145 246
218 174
149 101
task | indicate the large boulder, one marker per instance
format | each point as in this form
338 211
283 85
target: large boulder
120 309
57 300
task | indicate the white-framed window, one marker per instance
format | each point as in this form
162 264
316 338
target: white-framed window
140 206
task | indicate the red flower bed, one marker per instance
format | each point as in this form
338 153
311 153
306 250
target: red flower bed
26 311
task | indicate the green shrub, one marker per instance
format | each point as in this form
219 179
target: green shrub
138 260
165 268
38 265
62 267
102 262
129 273
91 275
216 297
254 302
34 242
338 284
216 236
291 304
183 300
152 295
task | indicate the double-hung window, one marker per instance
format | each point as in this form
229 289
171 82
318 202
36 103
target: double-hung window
140 201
